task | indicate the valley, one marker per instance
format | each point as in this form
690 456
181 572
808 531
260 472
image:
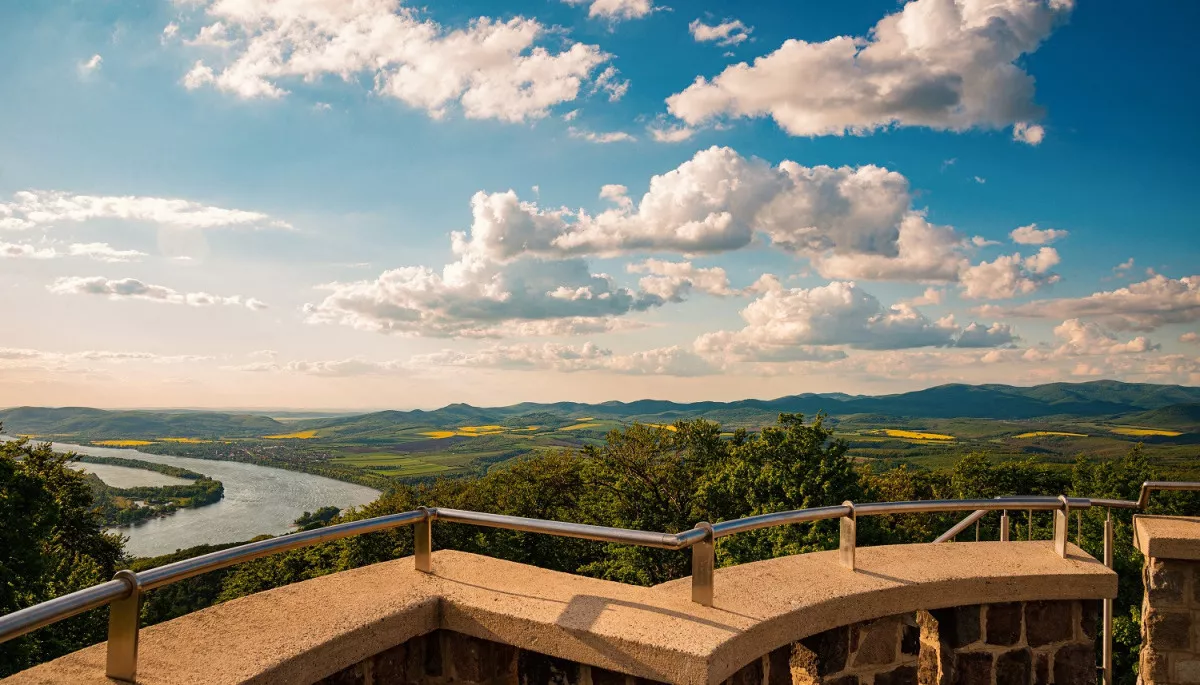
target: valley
930 428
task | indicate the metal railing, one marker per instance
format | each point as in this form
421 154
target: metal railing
124 592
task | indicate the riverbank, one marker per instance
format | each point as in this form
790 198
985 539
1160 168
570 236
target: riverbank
258 500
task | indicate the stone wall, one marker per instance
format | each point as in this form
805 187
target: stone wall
445 657
1020 643
1170 622
879 652
1010 644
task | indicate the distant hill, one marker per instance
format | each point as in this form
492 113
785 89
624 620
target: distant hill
1138 403
1181 417
118 424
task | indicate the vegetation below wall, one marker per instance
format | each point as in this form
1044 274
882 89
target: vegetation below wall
657 478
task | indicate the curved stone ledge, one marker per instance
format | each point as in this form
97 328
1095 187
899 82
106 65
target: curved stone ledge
303 632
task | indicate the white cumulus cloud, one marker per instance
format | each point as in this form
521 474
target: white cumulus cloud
727 33
1032 235
1008 276
134 289
489 69
1143 306
31 208
615 9
786 324
935 63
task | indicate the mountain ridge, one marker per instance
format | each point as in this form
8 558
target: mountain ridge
954 400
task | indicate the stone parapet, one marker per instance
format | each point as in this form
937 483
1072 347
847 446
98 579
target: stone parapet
308 631
1171 606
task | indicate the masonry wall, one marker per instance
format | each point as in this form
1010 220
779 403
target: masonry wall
1022 643
1010 644
1170 622
444 657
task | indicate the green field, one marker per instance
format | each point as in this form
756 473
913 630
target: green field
1052 423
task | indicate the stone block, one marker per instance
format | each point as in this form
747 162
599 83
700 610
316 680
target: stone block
1047 622
928 671
904 675
876 642
1187 671
540 669
973 668
477 660
1014 668
1075 665
1196 584
959 626
843 680
1154 666
831 648
603 676
1165 581
1003 624
779 666
347 676
803 665
750 674
390 666
1168 629
910 639
427 656
1041 669
1089 619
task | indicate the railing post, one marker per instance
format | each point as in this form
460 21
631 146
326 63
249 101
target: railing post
1079 527
703 561
1004 525
1062 524
1108 604
123 623
1030 519
423 542
847 537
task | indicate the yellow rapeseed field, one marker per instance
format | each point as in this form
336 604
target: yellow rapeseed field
439 434
1142 432
1039 434
669 426
580 426
298 435
915 435
123 443
480 429
190 441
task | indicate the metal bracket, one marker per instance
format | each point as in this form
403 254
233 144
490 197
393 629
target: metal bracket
1062 524
703 561
423 542
123 622
847 537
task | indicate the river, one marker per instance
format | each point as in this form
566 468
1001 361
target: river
258 500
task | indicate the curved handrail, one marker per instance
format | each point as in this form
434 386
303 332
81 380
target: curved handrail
129 586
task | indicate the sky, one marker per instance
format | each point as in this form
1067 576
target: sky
361 204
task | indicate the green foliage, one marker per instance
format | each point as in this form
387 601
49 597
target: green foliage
787 466
51 544
120 507
321 517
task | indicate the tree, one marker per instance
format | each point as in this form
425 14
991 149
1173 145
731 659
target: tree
51 544
787 466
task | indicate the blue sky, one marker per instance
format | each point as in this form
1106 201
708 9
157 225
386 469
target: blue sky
229 202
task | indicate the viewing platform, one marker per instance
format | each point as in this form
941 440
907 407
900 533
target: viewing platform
481 620
1004 612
